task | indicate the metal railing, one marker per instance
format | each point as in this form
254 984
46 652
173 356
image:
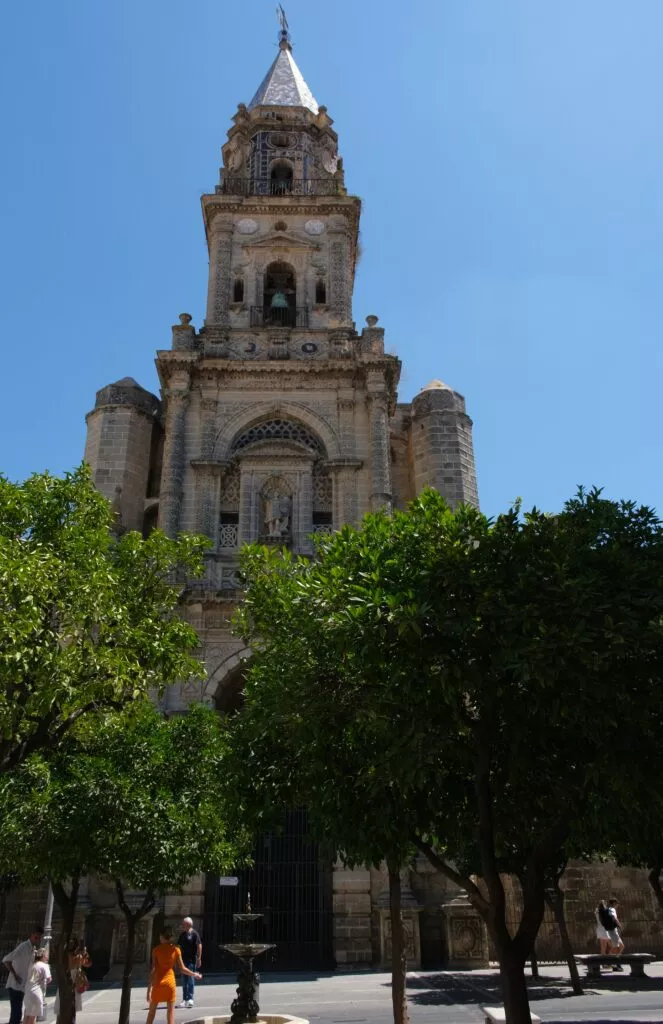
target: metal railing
279 316
272 187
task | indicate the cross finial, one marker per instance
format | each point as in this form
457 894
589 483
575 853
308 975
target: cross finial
284 34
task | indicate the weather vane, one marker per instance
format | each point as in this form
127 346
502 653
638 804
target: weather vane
283 21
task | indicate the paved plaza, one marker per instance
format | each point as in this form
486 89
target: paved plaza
435 997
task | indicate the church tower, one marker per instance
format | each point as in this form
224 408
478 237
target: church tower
276 419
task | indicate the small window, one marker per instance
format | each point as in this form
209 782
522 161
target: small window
238 290
228 529
320 292
322 522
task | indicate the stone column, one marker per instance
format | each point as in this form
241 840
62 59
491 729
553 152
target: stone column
172 477
352 915
208 406
344 491
346 407
378 432
248 514
208 475
339 297
218 292
303 496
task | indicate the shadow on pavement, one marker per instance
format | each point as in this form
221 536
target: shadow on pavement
441 989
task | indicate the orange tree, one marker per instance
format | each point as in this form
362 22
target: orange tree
472 680
87 621
131 796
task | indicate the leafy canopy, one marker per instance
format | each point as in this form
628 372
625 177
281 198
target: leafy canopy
475 678
86 621
132 795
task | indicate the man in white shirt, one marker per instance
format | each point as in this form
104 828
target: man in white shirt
20 962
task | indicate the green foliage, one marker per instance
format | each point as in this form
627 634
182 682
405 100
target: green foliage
476 680
133 795
86 621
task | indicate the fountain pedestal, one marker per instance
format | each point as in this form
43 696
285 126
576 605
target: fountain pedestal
244 1008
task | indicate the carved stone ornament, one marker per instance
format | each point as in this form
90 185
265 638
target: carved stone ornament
247 226
277 508
314 227
234 158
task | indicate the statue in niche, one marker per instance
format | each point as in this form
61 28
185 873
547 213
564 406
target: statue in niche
277 517
277 508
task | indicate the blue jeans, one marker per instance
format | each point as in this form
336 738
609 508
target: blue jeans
16 1005
188 983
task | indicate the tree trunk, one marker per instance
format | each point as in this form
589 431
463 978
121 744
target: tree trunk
534 964
555 900
655 882
67 906
125 998
398 955
514 986
132 918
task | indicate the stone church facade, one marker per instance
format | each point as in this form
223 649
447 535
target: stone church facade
277 419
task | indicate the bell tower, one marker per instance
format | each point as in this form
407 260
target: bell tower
287 262
276 411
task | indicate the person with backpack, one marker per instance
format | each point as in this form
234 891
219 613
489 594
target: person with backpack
615 933
608 930
601 915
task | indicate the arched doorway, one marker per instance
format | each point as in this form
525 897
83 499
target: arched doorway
280 295
289 882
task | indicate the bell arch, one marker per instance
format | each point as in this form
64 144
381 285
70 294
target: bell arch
279 298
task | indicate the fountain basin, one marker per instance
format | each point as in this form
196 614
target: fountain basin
263 1018
247 950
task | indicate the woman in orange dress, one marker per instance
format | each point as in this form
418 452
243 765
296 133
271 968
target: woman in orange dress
165 958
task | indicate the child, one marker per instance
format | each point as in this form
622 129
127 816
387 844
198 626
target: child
35 988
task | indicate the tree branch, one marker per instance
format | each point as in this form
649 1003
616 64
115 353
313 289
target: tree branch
463 881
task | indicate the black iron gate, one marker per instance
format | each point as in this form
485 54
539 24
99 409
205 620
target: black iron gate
292 887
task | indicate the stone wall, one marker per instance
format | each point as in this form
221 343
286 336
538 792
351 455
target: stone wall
586 884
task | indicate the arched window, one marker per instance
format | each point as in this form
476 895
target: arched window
280 295
280 178
229 509
278 430
238 290
320 292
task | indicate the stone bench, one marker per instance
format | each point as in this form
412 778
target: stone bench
497 1015
636 962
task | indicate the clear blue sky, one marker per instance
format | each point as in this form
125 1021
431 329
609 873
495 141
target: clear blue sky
510 158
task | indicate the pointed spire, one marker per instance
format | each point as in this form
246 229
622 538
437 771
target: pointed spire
284 85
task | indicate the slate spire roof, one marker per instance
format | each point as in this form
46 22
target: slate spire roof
284 85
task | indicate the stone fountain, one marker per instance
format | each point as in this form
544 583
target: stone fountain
244 1009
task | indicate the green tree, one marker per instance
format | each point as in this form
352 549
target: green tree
350 812
486 667
133 796
86 621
